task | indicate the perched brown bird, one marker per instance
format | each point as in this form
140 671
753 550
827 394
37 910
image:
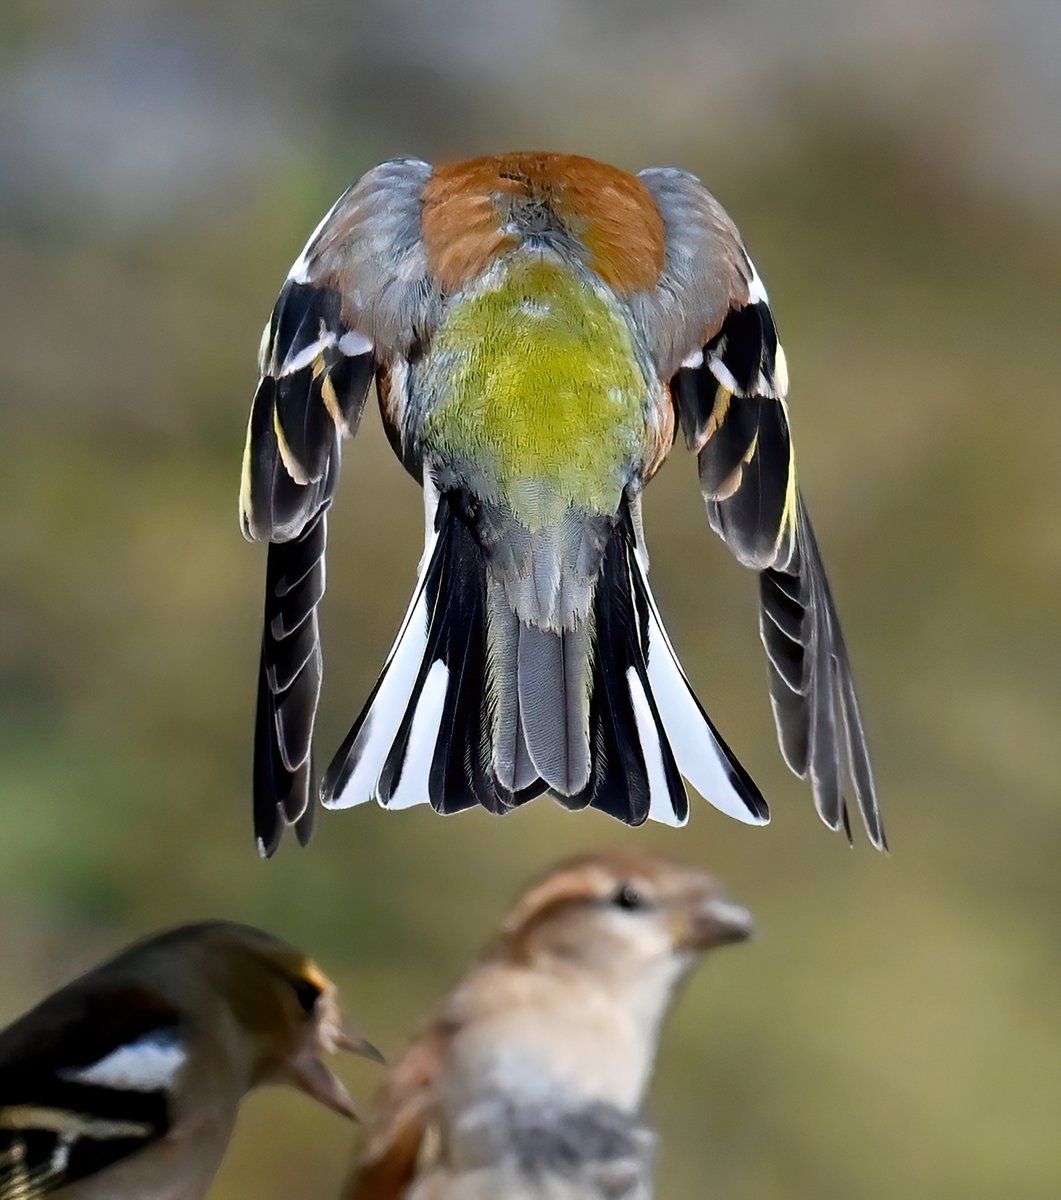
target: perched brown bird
125 1084
528 1081
538 326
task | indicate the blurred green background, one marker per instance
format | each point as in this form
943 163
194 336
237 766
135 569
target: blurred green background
896 171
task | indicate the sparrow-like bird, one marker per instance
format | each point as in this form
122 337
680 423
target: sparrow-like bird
538 326
125 1084
528 1081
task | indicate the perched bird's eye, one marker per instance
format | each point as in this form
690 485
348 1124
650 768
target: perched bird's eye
307 994
628 897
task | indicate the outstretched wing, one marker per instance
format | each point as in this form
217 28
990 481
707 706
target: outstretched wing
84 1083
355 297
714 331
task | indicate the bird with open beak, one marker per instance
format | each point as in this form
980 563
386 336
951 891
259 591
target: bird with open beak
539 326
125 1084
528 1081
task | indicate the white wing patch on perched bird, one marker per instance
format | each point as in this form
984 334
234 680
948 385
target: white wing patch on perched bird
354 343
149 1064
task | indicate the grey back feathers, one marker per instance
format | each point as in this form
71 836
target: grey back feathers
705 268
370 248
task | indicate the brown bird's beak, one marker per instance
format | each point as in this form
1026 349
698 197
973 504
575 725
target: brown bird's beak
716 921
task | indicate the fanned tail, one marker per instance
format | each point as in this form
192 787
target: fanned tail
476 706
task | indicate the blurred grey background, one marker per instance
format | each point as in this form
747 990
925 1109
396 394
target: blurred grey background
896 171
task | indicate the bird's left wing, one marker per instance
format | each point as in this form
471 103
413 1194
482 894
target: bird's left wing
356 296
713 334
85 1082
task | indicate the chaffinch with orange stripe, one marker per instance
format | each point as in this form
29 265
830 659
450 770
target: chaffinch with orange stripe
528 1081
539 326
126 1083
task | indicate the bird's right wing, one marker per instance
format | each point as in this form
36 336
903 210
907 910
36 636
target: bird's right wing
714 337
400 1137
355 297
84 1083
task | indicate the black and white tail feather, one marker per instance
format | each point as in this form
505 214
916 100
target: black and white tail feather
431 729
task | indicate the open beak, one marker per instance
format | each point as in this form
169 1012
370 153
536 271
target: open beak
315 1079
355 1042
717 921
319 1081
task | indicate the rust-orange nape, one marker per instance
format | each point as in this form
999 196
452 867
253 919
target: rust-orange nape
466 209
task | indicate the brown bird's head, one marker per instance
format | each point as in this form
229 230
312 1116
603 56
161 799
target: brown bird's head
622 916
289 1008
619 932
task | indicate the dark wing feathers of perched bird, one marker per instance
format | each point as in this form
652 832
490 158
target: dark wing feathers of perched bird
58 1124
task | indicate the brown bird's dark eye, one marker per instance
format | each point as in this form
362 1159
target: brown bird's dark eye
628 897
307 994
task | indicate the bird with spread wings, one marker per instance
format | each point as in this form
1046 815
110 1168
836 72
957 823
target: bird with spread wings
539 328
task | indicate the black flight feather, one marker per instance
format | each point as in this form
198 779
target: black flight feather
289 680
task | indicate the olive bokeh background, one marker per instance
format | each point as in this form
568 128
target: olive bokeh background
896 1028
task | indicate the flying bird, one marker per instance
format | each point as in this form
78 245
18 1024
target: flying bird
125 1084
539 327
528 1080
